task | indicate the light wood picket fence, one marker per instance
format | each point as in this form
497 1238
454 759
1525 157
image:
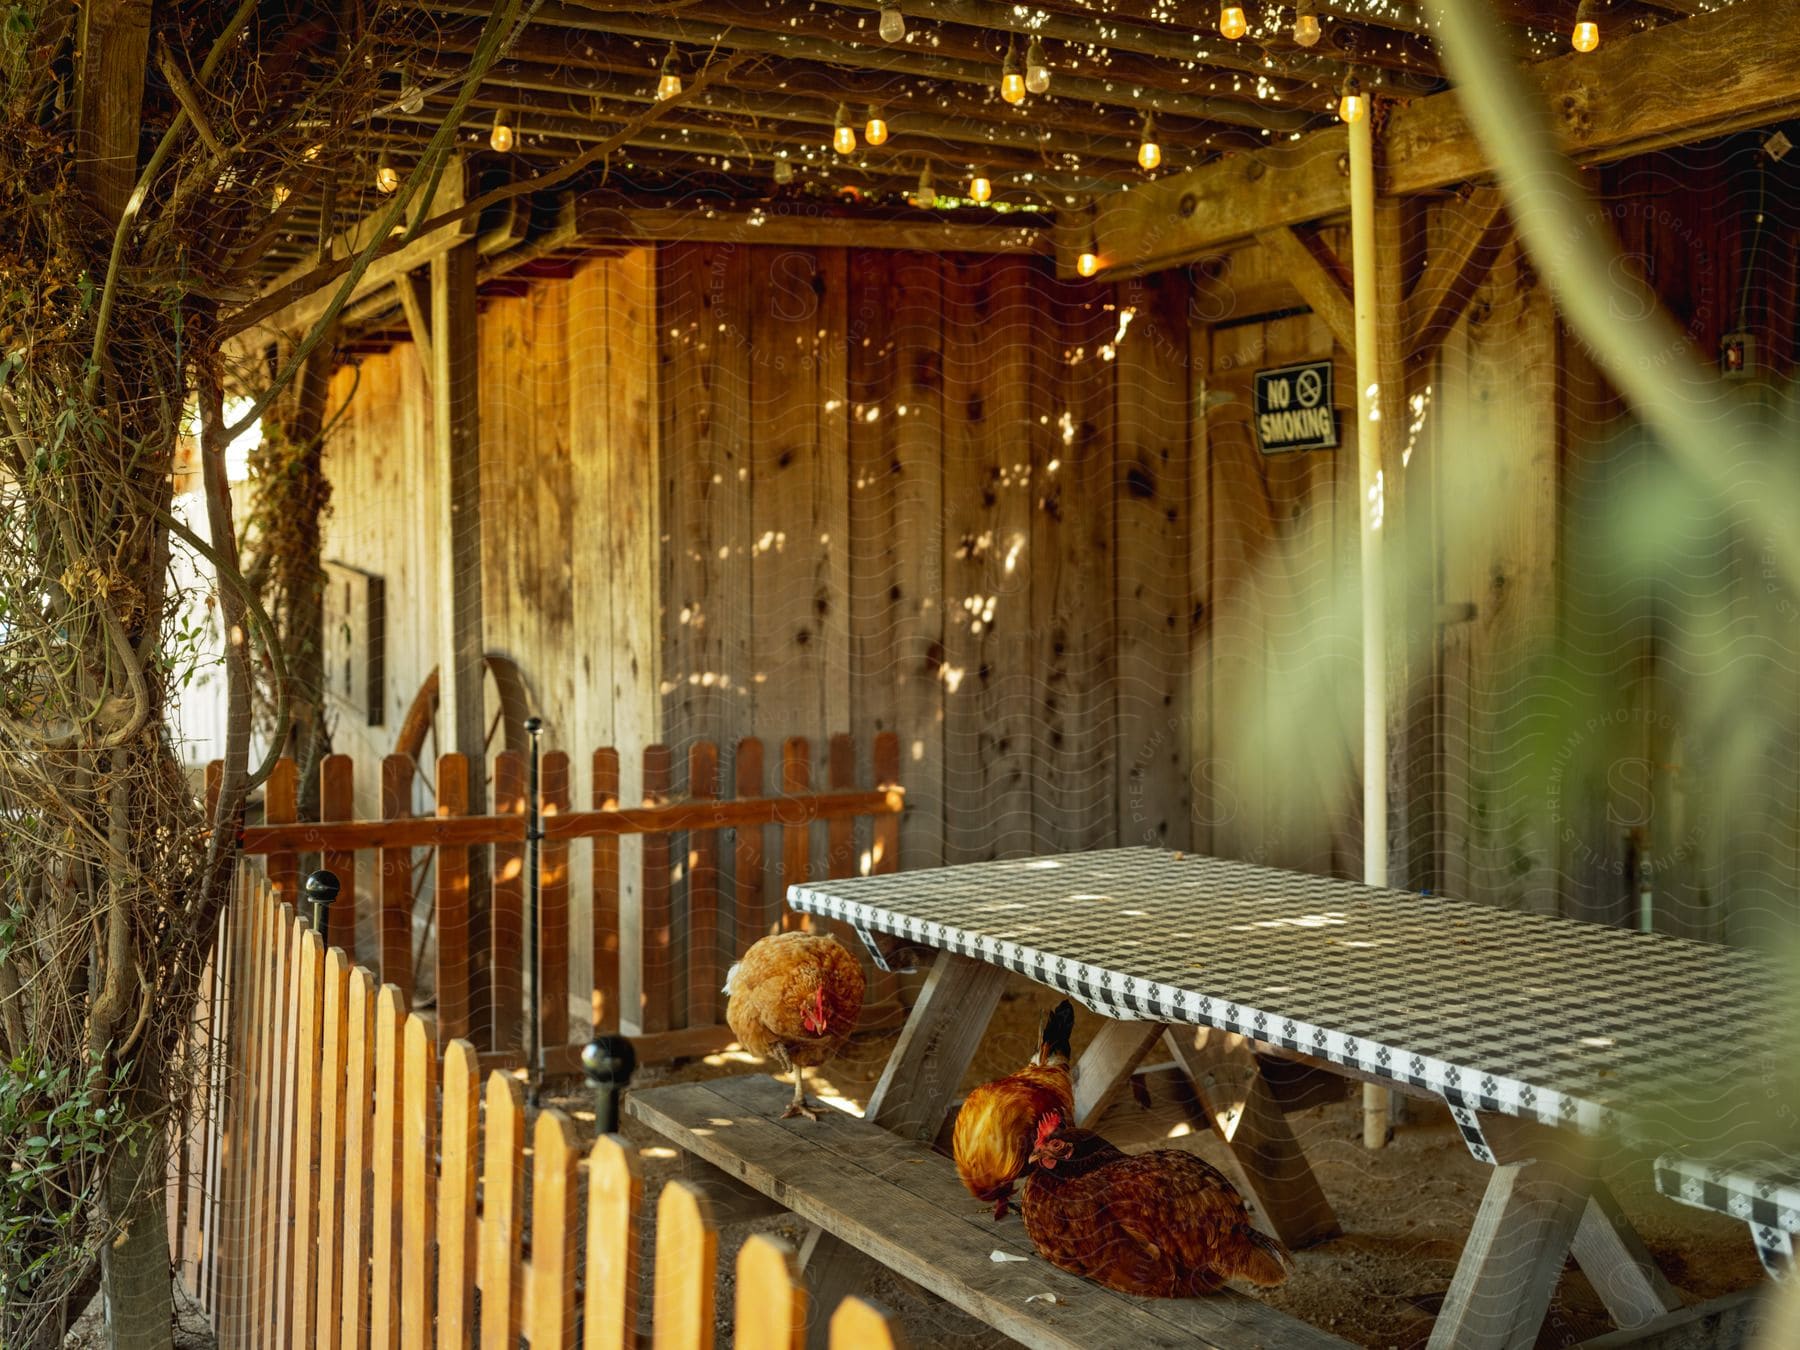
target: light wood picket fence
346 1185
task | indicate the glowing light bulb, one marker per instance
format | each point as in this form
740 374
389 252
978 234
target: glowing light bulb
1306 24
875 130
1586 36
668 85
1232 23
893 24
927 194
1012 75
1352 105
843 140
1037 67
1089 262
501 137
412 98
980 187
784 171
387 177
1149 152
278 195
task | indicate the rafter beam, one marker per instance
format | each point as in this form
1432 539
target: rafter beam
741 28
1609 104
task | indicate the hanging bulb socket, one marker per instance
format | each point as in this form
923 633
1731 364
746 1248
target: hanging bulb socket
1037 66
1149 152
843 138
926 195
981 187
1353 103
1232 23
501 137
1012 74
1586 35
893 23
875 129
1307 31
668 84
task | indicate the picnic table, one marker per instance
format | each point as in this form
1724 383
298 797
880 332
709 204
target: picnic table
1538 1032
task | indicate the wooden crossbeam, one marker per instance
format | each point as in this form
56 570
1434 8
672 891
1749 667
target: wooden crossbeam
1608 104
1477 232
1319 276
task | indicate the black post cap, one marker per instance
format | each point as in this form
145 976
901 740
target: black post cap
608 1059
322 887
533 725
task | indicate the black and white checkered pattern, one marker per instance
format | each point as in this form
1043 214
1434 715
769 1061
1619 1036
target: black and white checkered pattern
1547 1018
1763 1192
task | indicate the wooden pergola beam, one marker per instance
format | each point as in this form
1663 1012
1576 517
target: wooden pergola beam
1609 104
793 225
1320 277
741 28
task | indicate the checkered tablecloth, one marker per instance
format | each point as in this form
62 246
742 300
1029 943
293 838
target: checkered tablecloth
1762 1191
1527 1015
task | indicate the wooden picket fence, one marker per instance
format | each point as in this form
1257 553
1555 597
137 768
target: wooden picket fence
347 1185
676 969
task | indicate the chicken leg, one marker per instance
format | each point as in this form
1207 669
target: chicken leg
798 1106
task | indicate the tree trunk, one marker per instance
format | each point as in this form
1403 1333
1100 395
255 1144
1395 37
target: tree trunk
135 1272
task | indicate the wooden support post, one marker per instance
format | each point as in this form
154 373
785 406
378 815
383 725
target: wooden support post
456 437
415 302
1245 1115
1107 1064
1617 1264
922 1075
1509 1268
1476 233
456 434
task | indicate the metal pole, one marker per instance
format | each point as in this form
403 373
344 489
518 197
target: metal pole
534 833
321 889
1370 398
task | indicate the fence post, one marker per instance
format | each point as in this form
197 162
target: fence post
615 1195
452 906
796 836
703 892
771 1299
655 951
687 1258
550 1293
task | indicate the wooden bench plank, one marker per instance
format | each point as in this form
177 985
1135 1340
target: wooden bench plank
900 1203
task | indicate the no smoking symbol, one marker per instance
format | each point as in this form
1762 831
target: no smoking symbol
1308 387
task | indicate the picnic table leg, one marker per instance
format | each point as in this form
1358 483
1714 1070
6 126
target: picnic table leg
1107 1064
1523 1232
922 1075
1247 1118
1621 1269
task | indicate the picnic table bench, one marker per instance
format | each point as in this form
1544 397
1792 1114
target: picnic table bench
1539 1034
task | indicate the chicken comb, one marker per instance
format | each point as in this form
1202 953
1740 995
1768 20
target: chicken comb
1048 1124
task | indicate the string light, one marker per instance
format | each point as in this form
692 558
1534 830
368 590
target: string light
843 140
1306 23
1353 106
1232 23
1037 66
501 137
893 23
1586 36
1012 74
1149 152
784 171
875 130
981 188
927 194
669 85
387 177
278 195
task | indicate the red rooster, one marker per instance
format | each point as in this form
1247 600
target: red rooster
1164 1223
994 1130
795 998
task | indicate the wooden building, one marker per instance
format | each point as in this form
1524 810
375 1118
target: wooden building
756 459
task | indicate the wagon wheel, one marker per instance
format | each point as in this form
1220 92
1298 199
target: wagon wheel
507 702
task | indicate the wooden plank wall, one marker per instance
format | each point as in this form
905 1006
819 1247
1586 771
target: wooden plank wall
570 526
894 486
